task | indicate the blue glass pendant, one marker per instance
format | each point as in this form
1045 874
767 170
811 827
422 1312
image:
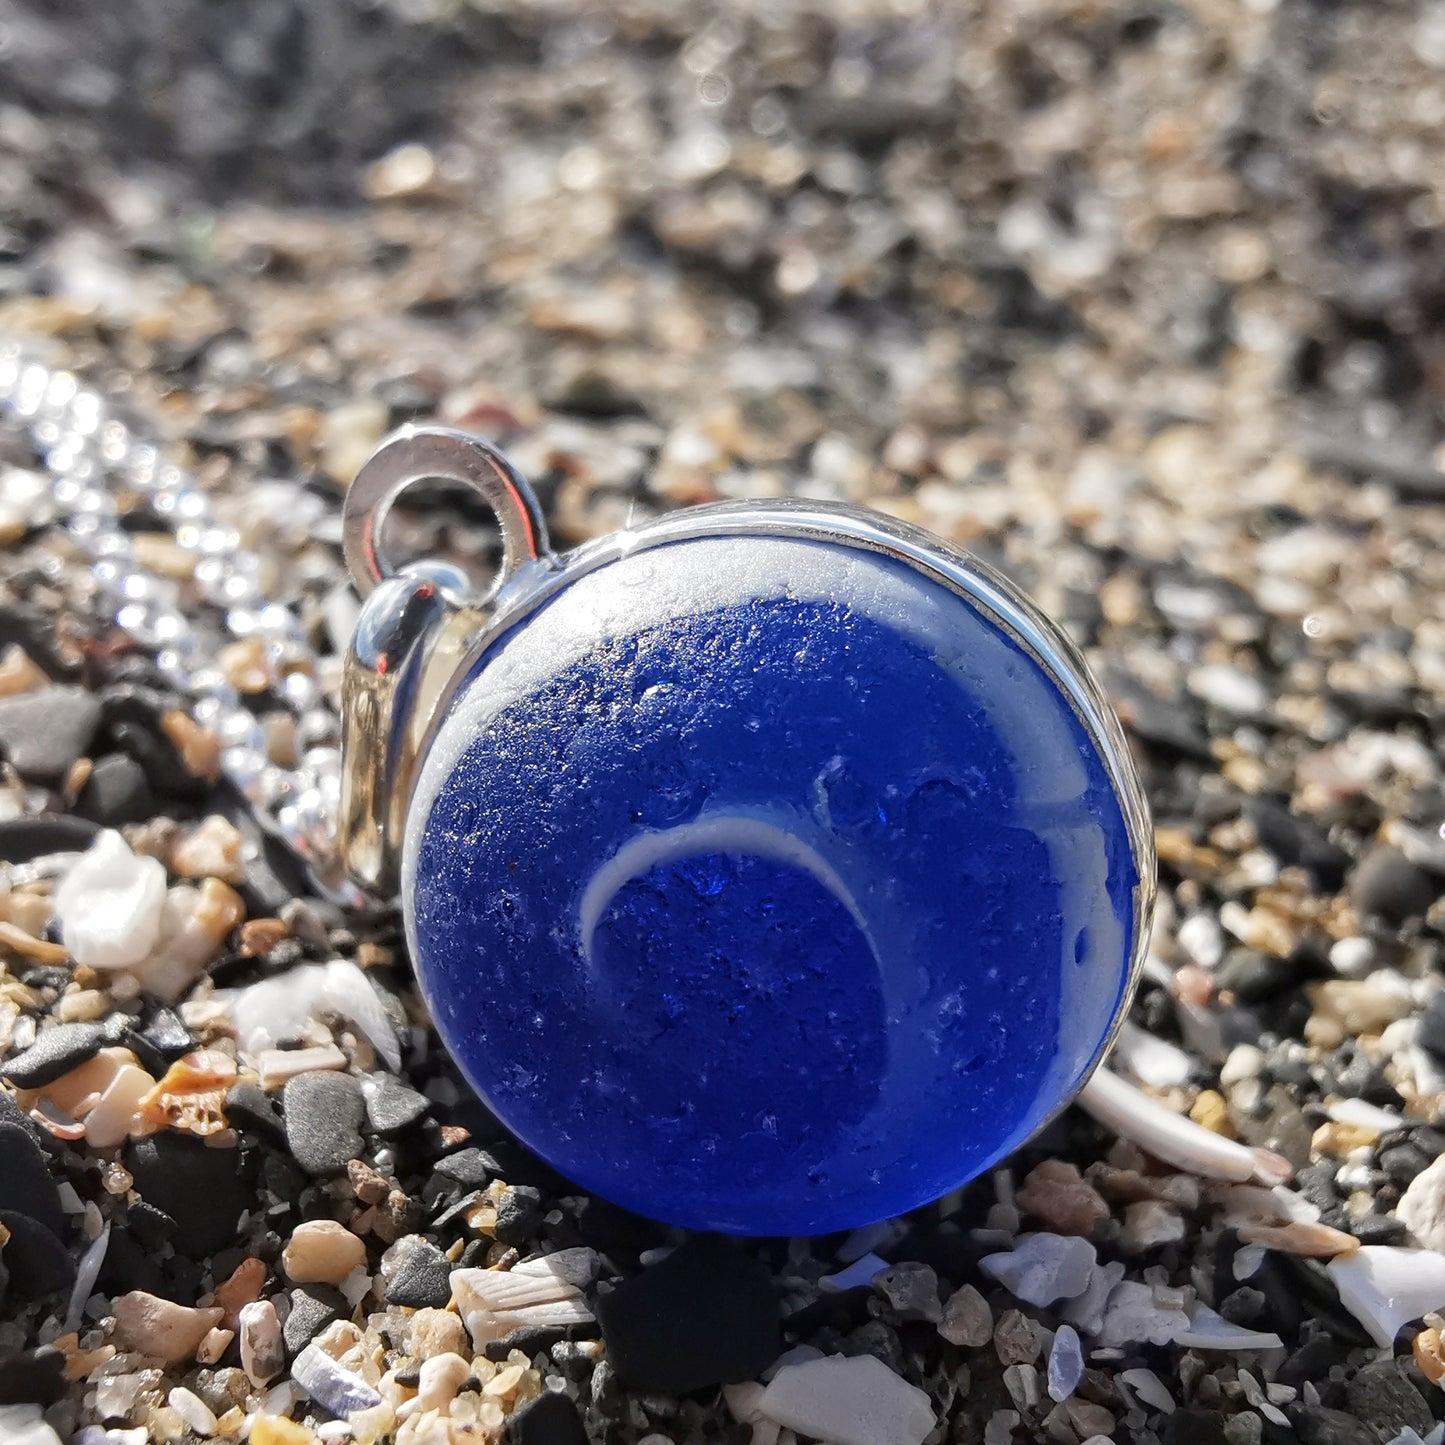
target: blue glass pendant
769 869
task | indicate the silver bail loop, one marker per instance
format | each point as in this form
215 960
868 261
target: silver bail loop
414 628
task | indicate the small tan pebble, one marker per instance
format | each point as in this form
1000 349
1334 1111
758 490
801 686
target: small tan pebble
1056 1193
214 1345
1149 1224
1193 985
275 1066
348 435
246 665
373 955
117 1111
366 1184
1339 1141
221 908
505 1383
277 1430
160 1327
239 1288
81 1364
322 1252
211 850
82 1006
192 1093
1017 1338
261 935
1211 1112
1429 1352
1087 1418
158 553
1314 1241
263 1354
282 742
18 941
369 1427
437 1332
199 747
76 779
1359 1006
440 1378
30 912
18 673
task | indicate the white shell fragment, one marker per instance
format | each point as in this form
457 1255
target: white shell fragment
109 905
1386 1286
854 1400
1043 1268
1422 1207
278 1008
544 1291
1210 1331
859 1273
1133 1115
334 1388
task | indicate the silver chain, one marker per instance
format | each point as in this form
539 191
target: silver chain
89 455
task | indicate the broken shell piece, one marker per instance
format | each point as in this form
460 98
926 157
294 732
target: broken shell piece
109 1122
109 904
853 1401
1210 1331
546 1291
1118 1105
1386 1286
1313 1241
192 1094
1043 1268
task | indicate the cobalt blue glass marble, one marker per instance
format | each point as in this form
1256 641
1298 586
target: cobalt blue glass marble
774 871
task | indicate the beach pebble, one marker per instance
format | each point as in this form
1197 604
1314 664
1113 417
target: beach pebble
262 1349
334 1388
116 792
160 1327
25 1425
437 1332
912 1290
43 733
109 903
850 1401
659 1339
1148 1225
1043 1268
321 1251
56 1051
193 1410
1058 1195
312 1311
1066 1363
204 1189
392 1107
440 1378
323 1112
422 1278
1422 1206
213 849
551 1419
967 1319
1133 1318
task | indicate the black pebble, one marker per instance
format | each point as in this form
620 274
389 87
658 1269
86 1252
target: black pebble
43 734
22 839
519 1214
1252 976
706 1315
312 1309
550 1419
251 1107
167 1035
323 1120
151 1227
203 1189
391 1107
36 1377
1432 1025
534 1340
1299 842
423 1278
133 725
471 1168
116 792
38 1262
27 1186
1194 1425
1387 884
1385 1400
56 1051
1316 1425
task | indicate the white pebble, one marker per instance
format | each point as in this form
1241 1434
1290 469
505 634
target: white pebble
1422 1206
109 904
1366 1115
1148 1224
1386 1286
1244 1062
1086 1312
193 1410
262 1354
1247 1260
1150 1389
1352 957
25 1425
1066 1363
1229 689
859 1273
1043 1267
1152 1060
849 1401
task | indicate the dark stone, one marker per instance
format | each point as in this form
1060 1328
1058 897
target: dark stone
22 839
519 1214
249 1106
312 1309
451 1216
1388 885
1193 1425
203 1189
133 725
1387 1402
323 1120
1299 842
423 1278
706 1315
550 1419
132 1263
38 1262
1252 976
1402 1162
43 734
1379 1229
391 1106
533 1340
36 1377
56 1051
471 1168
27 1186
167 1035
151 1227
1432 1025
1312 1361
1245 1306
1316 1425
116 792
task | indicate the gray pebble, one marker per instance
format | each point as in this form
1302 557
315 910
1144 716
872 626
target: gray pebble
323 1120
42 734
55 1052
